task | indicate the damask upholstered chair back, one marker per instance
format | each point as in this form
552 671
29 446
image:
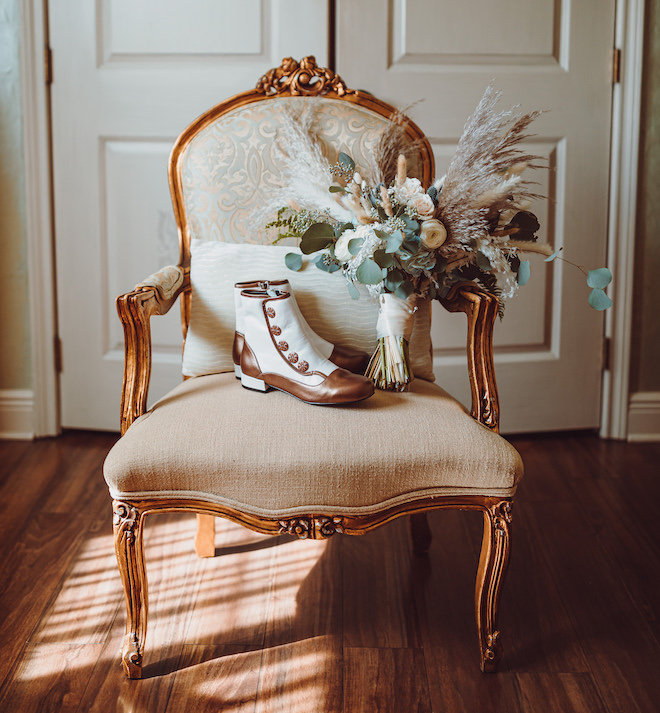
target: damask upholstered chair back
222 166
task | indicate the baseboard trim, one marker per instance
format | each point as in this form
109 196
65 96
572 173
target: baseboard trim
16 414
644 416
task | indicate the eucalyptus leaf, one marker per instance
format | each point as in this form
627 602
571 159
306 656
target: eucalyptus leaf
382 234
293 261
345 160
339 229
412 243
393 279
412 225
337 189
369 273
404 290
554 255
353 291
355 245
601 277
382 258
599 300
317 237
523 272
393 241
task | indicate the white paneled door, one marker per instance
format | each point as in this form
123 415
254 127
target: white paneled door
128 77
553 55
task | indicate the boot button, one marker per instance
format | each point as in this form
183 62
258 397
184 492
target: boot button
284 346
270 312
275 331
302 366
293 357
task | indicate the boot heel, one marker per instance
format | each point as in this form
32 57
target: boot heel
249 382
237 371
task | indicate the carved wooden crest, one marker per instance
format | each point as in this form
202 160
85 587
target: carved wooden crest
304 78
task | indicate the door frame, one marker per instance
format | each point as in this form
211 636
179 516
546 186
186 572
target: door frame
626 111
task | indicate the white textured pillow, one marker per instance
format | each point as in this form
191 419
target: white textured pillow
323 299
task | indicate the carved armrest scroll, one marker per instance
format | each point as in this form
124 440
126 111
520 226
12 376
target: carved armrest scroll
154 295
481 310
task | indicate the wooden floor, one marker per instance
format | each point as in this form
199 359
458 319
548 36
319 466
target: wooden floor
349 624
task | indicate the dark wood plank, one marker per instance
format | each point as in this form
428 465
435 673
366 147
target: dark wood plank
565 692
303 654
231 603
386 680
11 453
50 677
622 652
216 678
379 600
302 676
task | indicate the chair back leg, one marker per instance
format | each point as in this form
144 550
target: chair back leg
205 536
420 533
495 548
128 528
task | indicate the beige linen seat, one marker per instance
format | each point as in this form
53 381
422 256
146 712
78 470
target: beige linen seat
268 461
202 439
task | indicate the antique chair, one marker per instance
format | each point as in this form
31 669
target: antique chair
216 449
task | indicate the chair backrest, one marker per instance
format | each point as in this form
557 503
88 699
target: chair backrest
222 169
221 166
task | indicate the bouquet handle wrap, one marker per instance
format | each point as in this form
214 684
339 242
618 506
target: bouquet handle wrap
389 366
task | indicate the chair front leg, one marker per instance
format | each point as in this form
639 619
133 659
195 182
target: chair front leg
495 548
128 528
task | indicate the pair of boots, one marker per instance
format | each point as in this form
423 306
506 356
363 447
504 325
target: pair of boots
274 347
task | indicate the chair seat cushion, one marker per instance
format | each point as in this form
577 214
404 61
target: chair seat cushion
271 455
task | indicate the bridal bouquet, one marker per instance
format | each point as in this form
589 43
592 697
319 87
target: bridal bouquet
402 240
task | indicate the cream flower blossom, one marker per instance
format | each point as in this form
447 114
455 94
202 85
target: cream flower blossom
433 234
410 188
423 204
341 246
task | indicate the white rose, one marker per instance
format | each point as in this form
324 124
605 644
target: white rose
341 246
433 234
408 189
423 204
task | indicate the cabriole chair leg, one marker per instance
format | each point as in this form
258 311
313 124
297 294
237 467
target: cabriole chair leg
495 548
128 529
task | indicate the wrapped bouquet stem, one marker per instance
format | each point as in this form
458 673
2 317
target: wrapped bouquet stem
389 367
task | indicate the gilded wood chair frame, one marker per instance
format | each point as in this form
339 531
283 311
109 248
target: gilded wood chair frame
156 296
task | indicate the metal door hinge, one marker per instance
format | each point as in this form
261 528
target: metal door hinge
48 65
607 348
616 66
58 354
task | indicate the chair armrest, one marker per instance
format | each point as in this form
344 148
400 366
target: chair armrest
481 310
154 295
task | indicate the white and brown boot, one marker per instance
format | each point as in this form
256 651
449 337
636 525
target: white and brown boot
277 354
345 357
